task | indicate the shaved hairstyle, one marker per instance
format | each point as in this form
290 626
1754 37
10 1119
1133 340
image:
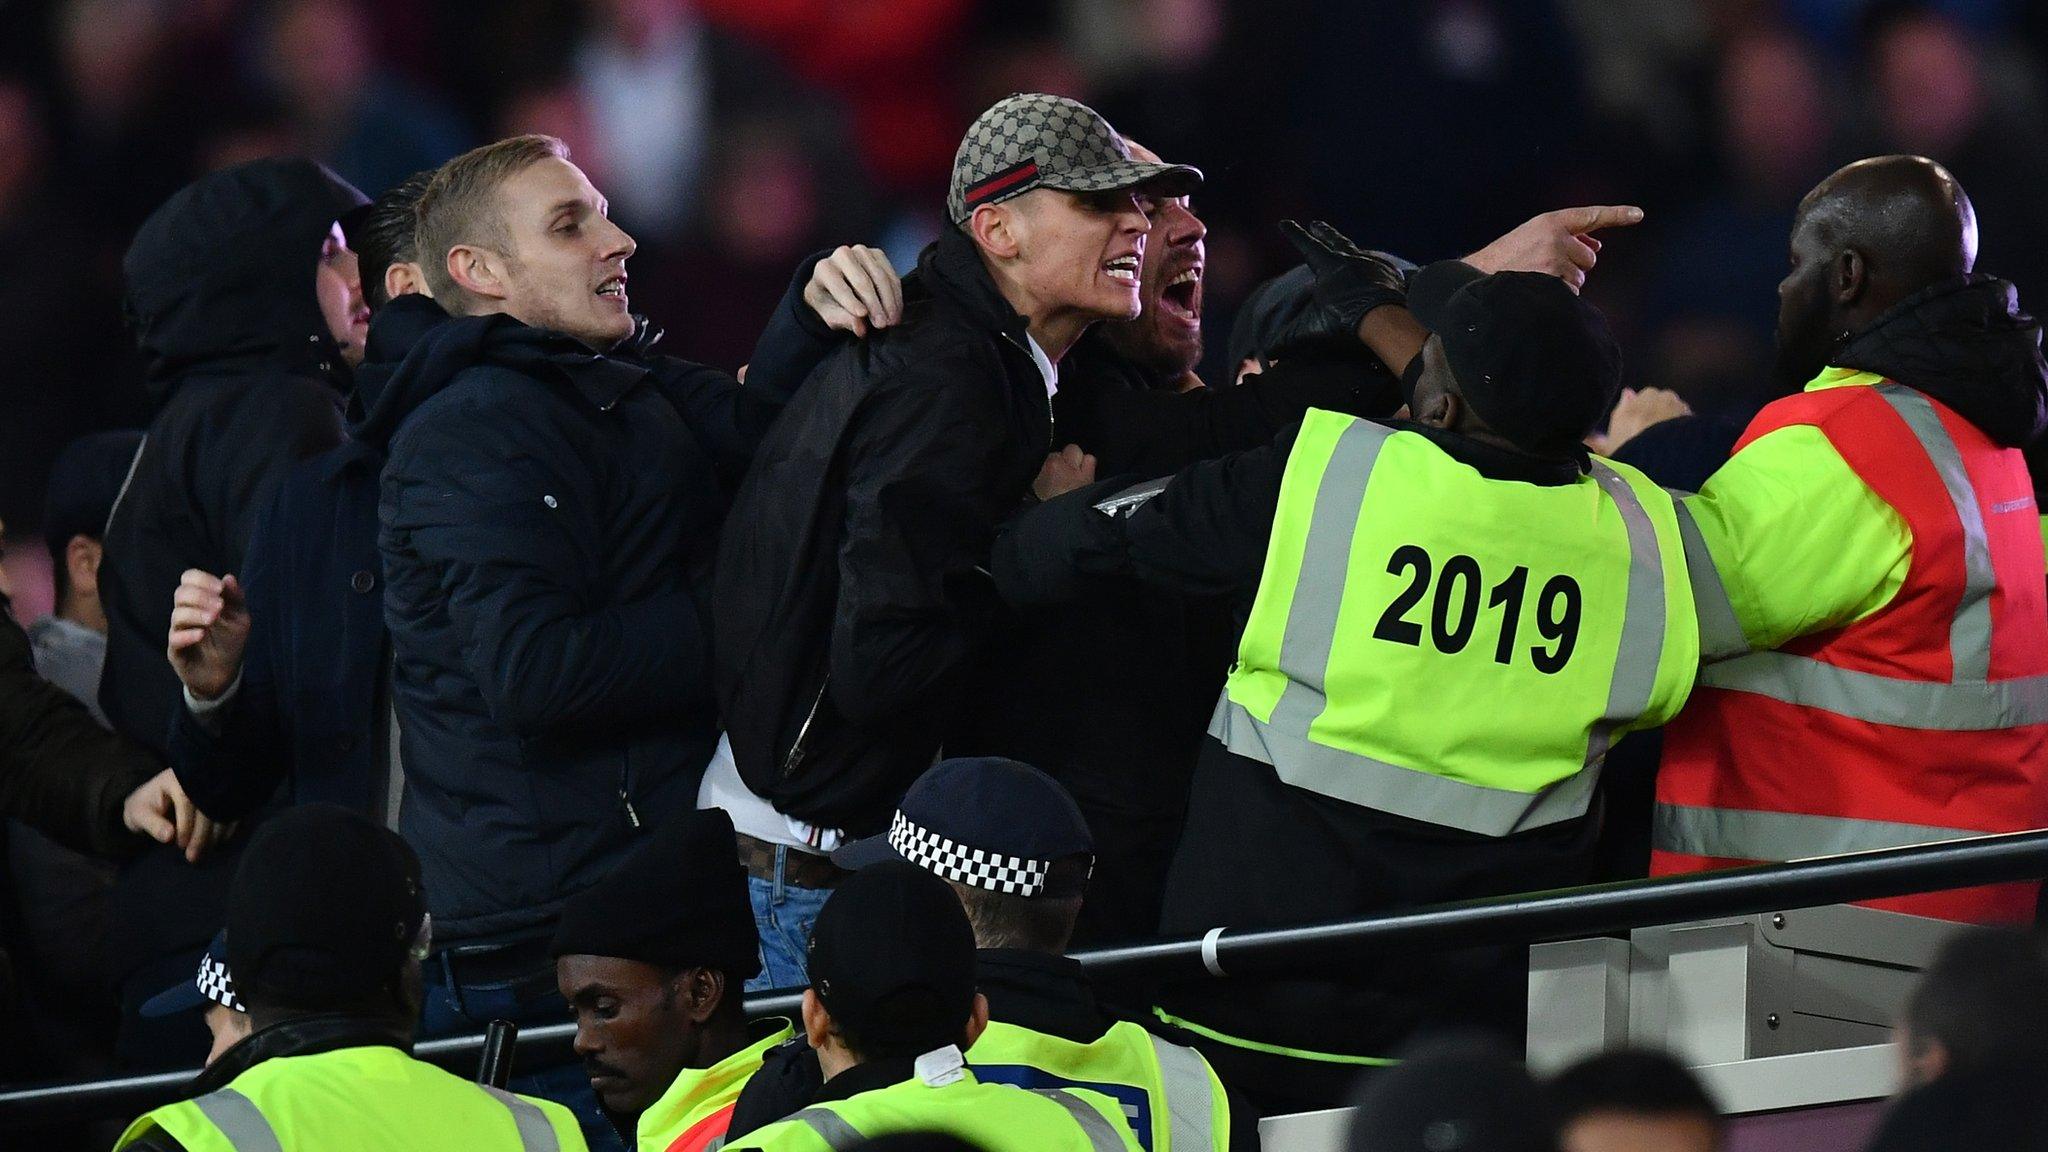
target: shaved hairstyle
460 206
1906 216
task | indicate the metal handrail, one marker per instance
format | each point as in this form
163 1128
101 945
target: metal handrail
1524 918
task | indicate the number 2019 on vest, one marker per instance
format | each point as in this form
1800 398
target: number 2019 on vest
1454 608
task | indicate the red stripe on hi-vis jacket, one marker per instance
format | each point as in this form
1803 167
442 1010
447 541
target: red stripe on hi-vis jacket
1001 181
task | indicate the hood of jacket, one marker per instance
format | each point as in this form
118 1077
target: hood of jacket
416 350
221 276
1966 343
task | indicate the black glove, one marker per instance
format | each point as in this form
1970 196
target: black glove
1350 282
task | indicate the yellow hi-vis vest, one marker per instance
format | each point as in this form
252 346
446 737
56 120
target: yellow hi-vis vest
695 1111
1169 1094
1451 648
366 1099
993 1117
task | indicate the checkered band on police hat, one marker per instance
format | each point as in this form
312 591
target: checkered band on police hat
1032 140
215 984
974 867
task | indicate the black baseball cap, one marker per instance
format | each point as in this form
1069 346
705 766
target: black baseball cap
989 823
212 984
1535 361
892 959
85 481
324 907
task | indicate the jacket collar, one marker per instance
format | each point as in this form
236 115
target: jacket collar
1966 343
600 379
1496 463
866 1077
951 270
1048 994
301 1036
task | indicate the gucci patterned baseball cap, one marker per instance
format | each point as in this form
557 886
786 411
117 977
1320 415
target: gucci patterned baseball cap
1031 140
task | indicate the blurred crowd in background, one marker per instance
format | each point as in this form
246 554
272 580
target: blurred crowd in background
734 136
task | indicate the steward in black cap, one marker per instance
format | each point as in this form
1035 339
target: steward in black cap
890 1009
1450 619
327 924
652 960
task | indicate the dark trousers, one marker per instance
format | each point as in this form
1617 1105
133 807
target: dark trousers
1257 853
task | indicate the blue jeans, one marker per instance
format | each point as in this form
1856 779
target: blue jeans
453 1009
783 915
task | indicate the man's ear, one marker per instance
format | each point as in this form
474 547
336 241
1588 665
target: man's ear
1440 409
702 992
817 1025
1927 1059
82 565
994 228
1851 276
404 278
479 271
977 1022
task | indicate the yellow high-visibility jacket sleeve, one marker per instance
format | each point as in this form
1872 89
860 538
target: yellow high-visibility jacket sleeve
1800 543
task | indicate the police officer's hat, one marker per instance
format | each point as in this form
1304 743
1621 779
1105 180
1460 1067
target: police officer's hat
988 823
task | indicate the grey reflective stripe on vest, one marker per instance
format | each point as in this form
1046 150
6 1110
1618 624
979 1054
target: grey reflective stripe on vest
1967 702
1720 632
1103 1135
1420 795
1969 634
239 1120
1326 553
1983 706
1190 1097
832 1127
1642 618
536 1133
1384 787
1736 834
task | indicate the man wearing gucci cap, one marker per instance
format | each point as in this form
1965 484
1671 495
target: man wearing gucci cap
852 584
1014 847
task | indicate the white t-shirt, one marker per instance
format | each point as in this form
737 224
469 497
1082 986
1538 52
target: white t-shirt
753 816
1046 367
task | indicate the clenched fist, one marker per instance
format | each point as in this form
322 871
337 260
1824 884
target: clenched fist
1064 471
209 632
855 290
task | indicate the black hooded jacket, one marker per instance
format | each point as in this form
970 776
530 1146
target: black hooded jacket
1966 343
246 380
851 587
547 522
